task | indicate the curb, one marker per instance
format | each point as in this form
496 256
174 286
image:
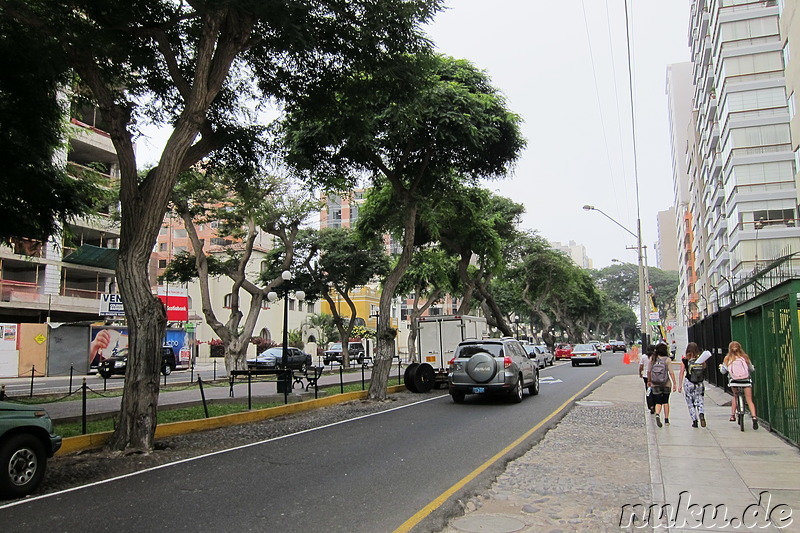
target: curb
97 440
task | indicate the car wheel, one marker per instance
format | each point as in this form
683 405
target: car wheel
166 370
408 377
574 363
424 378
516 393
22 465
599 361
533 390
458 396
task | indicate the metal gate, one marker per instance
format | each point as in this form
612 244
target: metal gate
713 333
768 326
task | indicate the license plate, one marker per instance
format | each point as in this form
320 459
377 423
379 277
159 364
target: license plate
478 390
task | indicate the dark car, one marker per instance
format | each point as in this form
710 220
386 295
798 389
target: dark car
26 442
117 364
334 353
492 366
296 359
618 346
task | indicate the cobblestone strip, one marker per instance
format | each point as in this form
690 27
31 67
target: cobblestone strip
577 479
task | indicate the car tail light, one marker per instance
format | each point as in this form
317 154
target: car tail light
507 362
451 361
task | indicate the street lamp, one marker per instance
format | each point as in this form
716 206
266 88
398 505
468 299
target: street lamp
515 319
643 314
272 296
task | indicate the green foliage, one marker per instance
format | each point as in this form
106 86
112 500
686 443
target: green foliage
361 332
295 338
36 192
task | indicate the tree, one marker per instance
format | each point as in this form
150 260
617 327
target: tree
322 325
196 66
430 276
335 261
477 226
415 129
242 209
37 194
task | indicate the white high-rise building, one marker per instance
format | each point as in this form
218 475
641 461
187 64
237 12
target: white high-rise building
742 168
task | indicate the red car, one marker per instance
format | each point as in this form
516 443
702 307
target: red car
563 351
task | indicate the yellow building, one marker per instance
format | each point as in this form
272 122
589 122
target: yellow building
367 303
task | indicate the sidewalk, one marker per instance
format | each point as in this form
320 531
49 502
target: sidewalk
688 468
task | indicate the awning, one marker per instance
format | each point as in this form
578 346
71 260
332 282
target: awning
94 256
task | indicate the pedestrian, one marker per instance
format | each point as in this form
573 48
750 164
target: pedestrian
738 366
661 380
673 350
691 381
644 369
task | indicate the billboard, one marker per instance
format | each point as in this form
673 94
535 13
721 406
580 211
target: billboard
176 302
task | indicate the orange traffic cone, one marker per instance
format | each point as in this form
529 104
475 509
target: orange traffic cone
627 358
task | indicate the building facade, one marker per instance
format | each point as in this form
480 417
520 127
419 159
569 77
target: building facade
741 169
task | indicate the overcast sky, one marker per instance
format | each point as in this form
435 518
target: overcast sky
540 55
565 73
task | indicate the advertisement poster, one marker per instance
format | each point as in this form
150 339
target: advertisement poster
176 302
110 341
10 333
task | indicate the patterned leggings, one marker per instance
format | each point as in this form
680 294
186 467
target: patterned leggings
693 393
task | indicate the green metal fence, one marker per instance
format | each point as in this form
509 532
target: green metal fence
767 326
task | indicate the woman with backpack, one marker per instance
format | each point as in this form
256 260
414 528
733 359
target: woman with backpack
738 366
661 380
692 385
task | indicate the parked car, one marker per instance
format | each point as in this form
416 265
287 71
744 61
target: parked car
118 364
26 442
499 366
618 346
297 359
334 353
549 357
563 351
585 353
536 354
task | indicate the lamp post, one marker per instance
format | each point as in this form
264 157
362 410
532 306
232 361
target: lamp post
515 319
643 314
272 296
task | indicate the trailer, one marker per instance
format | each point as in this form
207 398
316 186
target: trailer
437 339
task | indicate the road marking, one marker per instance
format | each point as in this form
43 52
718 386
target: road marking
409 524
549 379
218 452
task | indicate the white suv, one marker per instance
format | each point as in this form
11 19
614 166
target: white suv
492 366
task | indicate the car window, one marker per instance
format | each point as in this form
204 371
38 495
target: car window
468 350
584 348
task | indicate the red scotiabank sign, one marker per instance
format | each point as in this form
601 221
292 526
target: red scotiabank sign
177 303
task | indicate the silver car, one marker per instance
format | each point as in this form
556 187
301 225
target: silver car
536 353
585 353
492 366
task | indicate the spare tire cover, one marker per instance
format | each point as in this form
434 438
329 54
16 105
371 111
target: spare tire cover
481 367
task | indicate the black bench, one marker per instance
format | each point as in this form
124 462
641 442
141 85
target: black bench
312 375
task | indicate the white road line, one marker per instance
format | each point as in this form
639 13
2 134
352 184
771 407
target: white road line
132 474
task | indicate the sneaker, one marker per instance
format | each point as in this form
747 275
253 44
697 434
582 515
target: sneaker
702 420
652 410
755 423
658 420
666 420
694 423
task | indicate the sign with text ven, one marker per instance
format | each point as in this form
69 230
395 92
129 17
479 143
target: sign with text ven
176 300
111 305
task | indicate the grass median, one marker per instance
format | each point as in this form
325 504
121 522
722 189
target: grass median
195 412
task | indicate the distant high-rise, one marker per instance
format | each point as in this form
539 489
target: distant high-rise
576 252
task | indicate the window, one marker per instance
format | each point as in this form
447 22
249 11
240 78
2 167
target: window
162 263
179 249
227 302
179 233
291 304
162 247
792 108
163 230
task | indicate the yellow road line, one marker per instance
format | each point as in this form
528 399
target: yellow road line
409 524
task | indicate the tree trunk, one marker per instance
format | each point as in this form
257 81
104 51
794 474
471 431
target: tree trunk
147 323
384 352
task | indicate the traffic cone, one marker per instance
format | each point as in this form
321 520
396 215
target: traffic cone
627 358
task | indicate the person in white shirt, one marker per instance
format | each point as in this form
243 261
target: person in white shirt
644 370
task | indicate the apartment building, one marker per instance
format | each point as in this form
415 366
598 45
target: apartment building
741 168
575 251
61 280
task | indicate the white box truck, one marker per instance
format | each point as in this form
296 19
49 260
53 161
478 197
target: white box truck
437 339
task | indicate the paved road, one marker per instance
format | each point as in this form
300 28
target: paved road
370 474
